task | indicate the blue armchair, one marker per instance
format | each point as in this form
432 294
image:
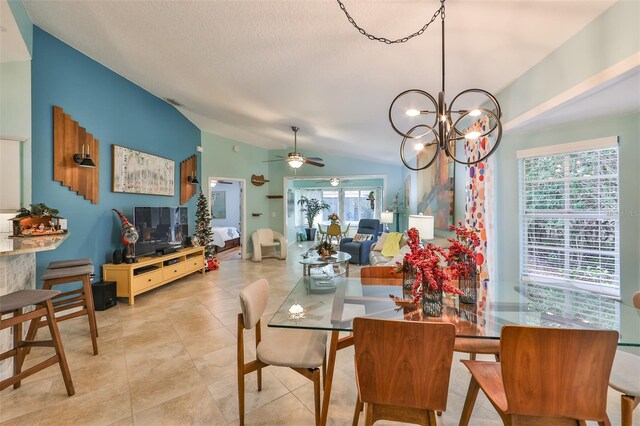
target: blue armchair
359 250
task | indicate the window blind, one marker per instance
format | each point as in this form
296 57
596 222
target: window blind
569 218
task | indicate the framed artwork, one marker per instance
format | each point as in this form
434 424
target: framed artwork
218 205
436 189
291 204
407 191
136 172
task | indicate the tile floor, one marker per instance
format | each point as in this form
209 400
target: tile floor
170 360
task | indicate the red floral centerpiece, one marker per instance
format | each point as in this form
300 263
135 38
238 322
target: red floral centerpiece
462 261
430 278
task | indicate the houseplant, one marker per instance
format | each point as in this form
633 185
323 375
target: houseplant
311 207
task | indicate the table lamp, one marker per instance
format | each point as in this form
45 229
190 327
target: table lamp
386 218
424 225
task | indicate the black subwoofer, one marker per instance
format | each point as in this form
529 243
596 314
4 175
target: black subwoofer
104 295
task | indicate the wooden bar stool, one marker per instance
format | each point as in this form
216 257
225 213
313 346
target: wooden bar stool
13 303
82 297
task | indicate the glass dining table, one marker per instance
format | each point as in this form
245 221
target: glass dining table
331 305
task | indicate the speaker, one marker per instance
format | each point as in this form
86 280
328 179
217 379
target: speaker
104 295
117 257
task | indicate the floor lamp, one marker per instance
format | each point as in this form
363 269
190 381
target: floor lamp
386 218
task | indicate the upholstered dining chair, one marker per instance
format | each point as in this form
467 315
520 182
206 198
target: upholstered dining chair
301 350
401 376
268 243
546 376
333 231
625 378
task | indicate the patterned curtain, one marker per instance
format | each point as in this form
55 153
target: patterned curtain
479 206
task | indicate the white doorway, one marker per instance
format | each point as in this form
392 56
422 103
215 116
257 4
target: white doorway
228 217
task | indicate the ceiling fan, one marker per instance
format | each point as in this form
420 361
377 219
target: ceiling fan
295 158
334 181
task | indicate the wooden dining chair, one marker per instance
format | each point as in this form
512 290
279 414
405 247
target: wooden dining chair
301 350
401 375
625 378
546 376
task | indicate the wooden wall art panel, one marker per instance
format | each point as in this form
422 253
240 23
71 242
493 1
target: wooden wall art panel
68 140
188 168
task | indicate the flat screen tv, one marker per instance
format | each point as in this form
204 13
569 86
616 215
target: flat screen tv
159 227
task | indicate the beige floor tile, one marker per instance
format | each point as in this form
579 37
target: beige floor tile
194 408
28 398
196 325
27 419
210 341
225 393
174 379
343 398
287 410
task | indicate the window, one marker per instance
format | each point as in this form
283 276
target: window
569 215
351 204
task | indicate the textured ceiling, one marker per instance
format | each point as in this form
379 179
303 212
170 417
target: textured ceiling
248 70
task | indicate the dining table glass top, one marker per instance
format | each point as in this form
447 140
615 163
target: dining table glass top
332 304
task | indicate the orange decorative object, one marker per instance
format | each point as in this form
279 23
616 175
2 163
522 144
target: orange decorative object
69 139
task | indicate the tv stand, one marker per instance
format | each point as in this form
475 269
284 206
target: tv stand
150 272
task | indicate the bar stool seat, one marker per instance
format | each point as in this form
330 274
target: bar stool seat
78 298
13 303
69 263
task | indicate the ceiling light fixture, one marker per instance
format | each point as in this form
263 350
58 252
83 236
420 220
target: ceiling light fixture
294 158
84 159
444 127
334 181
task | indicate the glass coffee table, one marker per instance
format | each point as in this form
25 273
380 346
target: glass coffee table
333 266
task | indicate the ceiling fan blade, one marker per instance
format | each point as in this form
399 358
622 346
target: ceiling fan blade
280 159
314 158
280 156
313 163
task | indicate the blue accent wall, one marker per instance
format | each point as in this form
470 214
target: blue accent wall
115 111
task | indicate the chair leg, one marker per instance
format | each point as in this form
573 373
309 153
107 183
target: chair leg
57 344
368 415
472 356
31 335
324 370
241 395
469 402
356 412
259 372
91 312
605 422
628 404
18 358
432 419
316 394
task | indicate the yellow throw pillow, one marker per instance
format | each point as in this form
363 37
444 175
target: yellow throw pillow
392 244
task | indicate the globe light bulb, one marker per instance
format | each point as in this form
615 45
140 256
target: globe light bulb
412 112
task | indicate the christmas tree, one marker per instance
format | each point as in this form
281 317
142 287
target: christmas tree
203 226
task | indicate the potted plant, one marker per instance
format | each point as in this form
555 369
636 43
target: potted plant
311 207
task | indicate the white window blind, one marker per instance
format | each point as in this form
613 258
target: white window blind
569 218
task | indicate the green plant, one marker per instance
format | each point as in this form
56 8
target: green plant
39 209
325 248
311 208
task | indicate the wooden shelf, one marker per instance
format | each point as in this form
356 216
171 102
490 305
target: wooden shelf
130 284
274 197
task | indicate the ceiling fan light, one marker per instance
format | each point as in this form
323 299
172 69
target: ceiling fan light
475 112
412 112
418 146
472 135
334 181
295 162
213 183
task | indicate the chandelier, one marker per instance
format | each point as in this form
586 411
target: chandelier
468 131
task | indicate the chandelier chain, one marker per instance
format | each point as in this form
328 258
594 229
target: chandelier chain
385 40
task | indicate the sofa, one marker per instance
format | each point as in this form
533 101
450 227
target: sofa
359 250
376 258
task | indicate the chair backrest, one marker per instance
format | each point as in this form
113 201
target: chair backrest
265 235
334 230
253 301
636 300
380 275
397 362
368 226
557 372
320 229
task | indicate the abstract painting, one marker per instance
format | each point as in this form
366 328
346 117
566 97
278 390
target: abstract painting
137 172
436 188
218 205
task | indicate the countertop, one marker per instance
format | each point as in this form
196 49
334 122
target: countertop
15 246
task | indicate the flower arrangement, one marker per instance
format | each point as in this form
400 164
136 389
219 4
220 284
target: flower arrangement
426 262
333 217
462 251
325 249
